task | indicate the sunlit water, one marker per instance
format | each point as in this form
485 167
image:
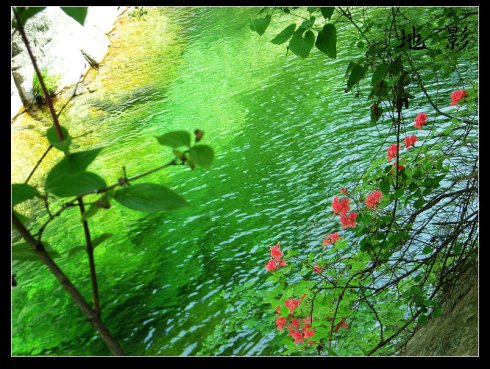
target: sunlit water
286 138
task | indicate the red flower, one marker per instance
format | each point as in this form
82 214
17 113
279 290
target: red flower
330 238
410 141
276 251
317 269
292 305
348 221
457 95
373 198
282 263
280 323
298 337
278 310
420 120
271 265
340 207
392 151
400 167
295 323
344 191
308 334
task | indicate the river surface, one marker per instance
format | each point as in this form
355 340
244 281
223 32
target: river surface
282 129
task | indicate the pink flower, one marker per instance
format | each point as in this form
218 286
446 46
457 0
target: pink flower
295 323
392 150
348 221
271 265
298 337
420 120
400 167
317 269
373 199
457 95
276 251
410 141
308 334
292 304
280 323
331 238
276 260
340 207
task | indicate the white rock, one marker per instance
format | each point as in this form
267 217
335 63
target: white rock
56 40
15 102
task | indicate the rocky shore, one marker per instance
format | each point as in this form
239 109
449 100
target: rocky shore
62 47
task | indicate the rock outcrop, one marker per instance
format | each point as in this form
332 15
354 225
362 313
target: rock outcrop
455 333
58 42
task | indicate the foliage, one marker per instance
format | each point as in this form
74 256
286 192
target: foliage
137 12
70 184
409 225
50 81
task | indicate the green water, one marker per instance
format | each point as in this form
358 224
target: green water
282 131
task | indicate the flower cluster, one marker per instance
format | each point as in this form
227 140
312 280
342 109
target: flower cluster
331 238
299 328
420 120
276 261
457 95
373 199
392 151
410 141
340 207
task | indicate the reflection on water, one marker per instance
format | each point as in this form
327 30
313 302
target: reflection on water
282 130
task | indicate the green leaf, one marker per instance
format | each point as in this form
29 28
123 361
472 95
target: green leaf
422 319
326 40
302 46
349 68
22 251
311 9
76 250
98 240
74 163
76 12
259 25
437 312
26 12
175 139
399 193
150 198
22 192
308 23
202 155
66 185
284 35
356 74
384 186
427 250
419 203
54 140
327 11
380 73
92 210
